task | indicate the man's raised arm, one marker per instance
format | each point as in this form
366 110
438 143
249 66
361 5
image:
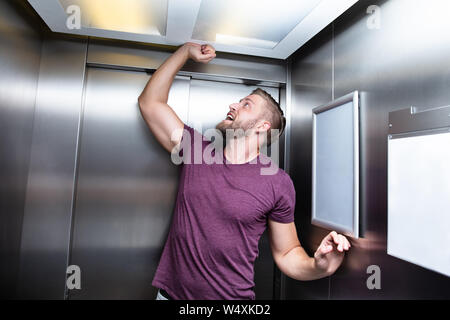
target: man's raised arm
158 115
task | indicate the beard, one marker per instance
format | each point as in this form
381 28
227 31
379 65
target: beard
236 129
239 129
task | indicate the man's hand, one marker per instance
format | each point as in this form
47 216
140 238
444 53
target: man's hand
331 251
200 53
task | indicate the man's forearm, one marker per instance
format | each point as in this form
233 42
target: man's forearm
157 89
298 265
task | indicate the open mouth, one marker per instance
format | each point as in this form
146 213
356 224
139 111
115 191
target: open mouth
230 116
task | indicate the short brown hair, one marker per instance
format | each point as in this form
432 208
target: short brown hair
273 113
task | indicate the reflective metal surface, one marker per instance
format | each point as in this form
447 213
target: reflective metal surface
48 204
20 50
404 63
412 119
126 189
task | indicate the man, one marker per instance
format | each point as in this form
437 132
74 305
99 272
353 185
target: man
223 208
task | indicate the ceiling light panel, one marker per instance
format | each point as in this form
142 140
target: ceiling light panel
133 16
249 23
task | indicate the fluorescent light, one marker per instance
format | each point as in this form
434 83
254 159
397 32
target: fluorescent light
134 16
250 23
245 42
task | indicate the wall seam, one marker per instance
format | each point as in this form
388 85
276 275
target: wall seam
332 98
332 61
287 143
76 168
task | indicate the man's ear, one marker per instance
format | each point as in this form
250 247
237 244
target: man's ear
264 126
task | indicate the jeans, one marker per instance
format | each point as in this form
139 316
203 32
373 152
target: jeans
159 296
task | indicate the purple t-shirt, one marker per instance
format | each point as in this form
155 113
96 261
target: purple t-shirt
220 214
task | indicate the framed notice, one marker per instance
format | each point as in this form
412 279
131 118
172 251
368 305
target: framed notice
335 165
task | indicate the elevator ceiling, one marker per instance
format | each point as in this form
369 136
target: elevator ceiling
264 28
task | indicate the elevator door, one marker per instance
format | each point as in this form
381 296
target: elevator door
126 184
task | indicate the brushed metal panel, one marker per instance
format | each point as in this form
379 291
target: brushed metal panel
393 68
20 43
226 65
412 119
48 204
126 188
392 74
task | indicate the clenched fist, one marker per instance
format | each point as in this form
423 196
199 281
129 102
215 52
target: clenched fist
200 53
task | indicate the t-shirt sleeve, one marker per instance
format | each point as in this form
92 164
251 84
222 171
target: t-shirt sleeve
192 141
284 208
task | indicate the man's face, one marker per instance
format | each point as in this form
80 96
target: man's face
245 115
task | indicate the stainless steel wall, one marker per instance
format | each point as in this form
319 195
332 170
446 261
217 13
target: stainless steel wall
125 188
47 220
404 63
20 51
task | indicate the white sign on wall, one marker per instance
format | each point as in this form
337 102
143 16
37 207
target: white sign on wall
419 199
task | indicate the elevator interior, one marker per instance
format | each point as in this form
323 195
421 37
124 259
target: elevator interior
85 183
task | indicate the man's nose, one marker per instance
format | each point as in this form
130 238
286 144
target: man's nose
234 106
